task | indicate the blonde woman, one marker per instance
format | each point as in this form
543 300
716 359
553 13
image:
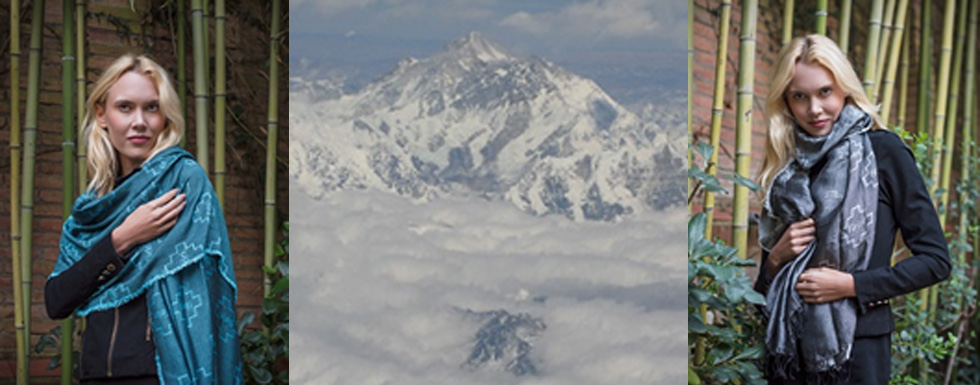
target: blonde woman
145 254
838 188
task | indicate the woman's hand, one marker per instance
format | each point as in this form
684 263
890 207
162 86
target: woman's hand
148 221
793 241
822 284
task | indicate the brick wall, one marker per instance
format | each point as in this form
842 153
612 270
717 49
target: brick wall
113 29
768 38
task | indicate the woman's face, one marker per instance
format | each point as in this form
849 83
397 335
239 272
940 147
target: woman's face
814 98
133 118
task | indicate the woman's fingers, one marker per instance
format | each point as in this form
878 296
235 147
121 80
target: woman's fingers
163 199
173 203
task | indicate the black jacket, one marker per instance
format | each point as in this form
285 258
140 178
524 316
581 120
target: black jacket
903 204
117 342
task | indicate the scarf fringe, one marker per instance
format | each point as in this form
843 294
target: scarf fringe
786 368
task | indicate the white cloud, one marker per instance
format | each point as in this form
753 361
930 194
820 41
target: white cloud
598 20
383 283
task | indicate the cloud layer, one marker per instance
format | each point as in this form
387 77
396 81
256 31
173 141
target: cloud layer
383 283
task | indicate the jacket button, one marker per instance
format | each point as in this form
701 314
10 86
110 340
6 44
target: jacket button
111 267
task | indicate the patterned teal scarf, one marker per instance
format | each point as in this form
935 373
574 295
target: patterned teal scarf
186 273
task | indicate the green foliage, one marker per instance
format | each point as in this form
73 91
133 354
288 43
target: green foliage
707 182
720 301
730 327
265 353
52 340
925 340
917 339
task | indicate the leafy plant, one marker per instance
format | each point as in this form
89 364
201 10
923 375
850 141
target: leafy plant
53 340
722 315
265 353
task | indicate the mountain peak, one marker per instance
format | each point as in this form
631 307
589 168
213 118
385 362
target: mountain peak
475 45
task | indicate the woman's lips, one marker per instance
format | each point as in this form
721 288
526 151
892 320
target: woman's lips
139 139
819 123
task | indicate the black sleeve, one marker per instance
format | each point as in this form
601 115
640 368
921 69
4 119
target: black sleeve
65 292
763 280
912 208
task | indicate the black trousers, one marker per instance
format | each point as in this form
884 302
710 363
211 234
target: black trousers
870 362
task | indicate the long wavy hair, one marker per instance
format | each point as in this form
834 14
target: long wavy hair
810 49
103 160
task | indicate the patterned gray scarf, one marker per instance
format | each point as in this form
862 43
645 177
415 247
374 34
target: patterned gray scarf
842 198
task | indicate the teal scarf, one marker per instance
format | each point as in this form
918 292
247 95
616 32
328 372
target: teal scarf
186 273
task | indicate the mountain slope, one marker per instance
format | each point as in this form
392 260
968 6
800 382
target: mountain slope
474 120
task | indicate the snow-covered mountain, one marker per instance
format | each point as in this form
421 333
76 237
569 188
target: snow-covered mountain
474 119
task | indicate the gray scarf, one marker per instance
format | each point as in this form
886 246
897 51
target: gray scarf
842 198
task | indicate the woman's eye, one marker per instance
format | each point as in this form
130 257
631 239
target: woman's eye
798 96
152 107
825 91
124 107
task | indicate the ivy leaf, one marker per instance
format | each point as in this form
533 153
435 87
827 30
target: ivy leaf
692 377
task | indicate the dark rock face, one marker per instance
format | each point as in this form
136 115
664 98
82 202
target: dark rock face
505 340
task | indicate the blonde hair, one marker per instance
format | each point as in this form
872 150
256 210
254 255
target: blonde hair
780 138
103 162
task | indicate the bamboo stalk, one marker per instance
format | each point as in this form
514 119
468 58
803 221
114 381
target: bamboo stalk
942 92
200 85
844 36
219 101
273 132
717 110
206 16
822 17
869 59
690 89
884 46
15 150
889 81
30 144
182 61
743 129
925 67
67 158
788 6
965 152
954 90
904 76
930 294
80 91
967 144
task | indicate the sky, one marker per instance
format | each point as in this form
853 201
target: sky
627 46
385 282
